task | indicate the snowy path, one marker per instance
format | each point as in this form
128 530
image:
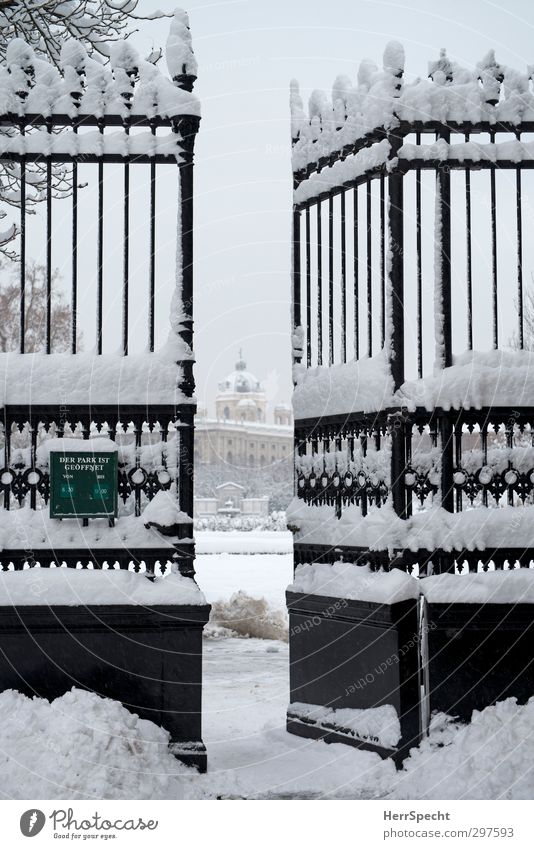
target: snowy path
249 751
246 696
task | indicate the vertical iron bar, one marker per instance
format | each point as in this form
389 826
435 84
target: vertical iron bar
356 275
330 280
469 255
308 290
519 211
74 296
126 261
494 251
443 258
396 243
443 308
397 423
369 273
319 286
22 339
296 278
152 269
419 261
186 217
100 255
343 282
49 250
382 263
458 462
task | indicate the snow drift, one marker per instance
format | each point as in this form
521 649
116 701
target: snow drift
249 617
83 746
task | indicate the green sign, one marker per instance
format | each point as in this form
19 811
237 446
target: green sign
83 485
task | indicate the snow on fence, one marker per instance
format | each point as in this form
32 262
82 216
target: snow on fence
412 358
100 146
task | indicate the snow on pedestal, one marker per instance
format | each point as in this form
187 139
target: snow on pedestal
94 587
345 580
480 529
476 379
90 378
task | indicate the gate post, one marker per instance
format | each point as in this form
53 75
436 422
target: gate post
442 294
396 329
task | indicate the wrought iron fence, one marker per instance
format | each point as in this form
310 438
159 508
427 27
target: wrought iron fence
409 254
130 118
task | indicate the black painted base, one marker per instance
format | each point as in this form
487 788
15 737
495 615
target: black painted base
479 654
150 659
354 654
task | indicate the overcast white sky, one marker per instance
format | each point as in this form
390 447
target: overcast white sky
248 50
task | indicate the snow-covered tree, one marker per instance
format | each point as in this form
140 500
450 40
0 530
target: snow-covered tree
47 24
35 310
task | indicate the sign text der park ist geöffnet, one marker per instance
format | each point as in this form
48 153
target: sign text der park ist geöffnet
83 484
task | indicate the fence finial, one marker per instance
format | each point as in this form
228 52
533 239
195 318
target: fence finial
394 61
440 70
296 107
491 76
179 54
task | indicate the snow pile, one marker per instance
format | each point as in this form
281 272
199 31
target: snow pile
250 617
94 587
363 385
178 50
89 378
380 529
163 511
83 746
32 530
477 379
65 445
491 758
503 587
471 530
378 725
346 580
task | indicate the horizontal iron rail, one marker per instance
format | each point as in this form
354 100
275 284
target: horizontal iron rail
71 410
482 415
408 557
95 158
35 119
406 128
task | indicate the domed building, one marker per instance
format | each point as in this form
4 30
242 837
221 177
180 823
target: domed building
237 440
241 397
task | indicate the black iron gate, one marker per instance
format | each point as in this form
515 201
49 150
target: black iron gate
101 157
412 449
107 144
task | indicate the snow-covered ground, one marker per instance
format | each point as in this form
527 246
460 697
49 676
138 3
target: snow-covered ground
82 746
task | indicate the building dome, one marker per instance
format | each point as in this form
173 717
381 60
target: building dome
240 380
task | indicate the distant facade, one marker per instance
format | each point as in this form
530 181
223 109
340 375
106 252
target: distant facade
240 439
